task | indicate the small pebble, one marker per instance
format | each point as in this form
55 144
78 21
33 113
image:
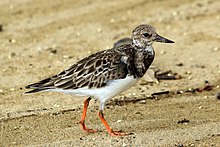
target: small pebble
206 82
47 48
13 54
65 56
200 107
39 49
185 33
1 90
53 51
112 20
162 52
142 102
12 40
190 90
160 20
188 72
12 89
216 49
218 95
189 78
198 66
99 30
56 105
89 52
179 64
1 28
183 121
180 145
181 92
174 13
118 121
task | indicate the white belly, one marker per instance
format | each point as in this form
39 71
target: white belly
104 93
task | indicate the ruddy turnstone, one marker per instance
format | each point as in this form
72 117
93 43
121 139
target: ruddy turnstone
107 73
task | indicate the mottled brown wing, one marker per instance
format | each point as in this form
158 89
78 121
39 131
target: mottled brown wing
94 71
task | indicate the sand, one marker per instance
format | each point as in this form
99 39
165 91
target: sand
41 38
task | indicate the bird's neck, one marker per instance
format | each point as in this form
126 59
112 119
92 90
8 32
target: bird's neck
150 50
140 47
147 49
143 57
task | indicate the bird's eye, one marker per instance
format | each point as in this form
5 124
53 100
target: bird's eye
147 35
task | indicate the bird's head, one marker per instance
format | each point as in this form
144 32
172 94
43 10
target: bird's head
144 35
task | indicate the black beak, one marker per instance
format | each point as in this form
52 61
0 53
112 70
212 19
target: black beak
163 40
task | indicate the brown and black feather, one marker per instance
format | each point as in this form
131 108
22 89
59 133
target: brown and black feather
98 69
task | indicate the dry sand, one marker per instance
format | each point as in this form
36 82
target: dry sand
41 38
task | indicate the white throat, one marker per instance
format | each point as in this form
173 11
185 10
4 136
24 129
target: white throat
149 49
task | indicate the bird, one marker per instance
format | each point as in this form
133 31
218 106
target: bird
122 42
105 74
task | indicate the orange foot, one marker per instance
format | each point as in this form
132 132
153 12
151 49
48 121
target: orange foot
84 128
110 131
119 133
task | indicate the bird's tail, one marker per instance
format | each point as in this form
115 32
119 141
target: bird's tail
41 86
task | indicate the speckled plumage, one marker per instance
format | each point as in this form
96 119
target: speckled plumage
105 74
97 70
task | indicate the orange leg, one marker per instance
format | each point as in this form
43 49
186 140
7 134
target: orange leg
82 122
110 131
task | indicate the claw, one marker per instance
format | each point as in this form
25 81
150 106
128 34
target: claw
110 131
84 128
119 133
